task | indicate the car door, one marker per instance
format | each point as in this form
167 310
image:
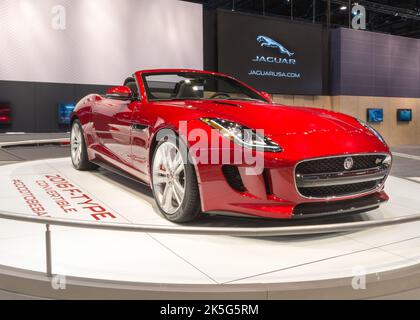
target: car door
142 122
112 124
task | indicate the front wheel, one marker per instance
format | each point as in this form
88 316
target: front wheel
174 182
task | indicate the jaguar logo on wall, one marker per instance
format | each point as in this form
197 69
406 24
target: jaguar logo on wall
270 43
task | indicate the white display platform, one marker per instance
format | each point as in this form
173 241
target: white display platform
184 259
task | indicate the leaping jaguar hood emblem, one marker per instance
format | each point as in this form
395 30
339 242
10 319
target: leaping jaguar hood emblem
270 43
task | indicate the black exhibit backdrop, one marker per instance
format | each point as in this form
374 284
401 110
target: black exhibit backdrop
270 54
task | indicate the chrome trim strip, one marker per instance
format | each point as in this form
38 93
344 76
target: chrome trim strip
379 188
317 181
344 173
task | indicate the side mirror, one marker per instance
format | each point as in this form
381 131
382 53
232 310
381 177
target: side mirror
121 93
266 96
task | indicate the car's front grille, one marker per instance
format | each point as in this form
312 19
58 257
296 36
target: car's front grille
362 162
339 190
329 177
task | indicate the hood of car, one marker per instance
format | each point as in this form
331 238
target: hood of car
275 120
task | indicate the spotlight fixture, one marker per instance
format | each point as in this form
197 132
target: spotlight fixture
343 8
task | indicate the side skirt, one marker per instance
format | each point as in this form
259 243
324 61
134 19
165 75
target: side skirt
113 169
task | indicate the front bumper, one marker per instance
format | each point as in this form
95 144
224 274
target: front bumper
274 194
357 205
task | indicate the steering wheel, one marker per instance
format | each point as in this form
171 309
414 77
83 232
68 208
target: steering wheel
220 94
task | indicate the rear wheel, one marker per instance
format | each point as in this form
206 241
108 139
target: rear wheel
79 156
174 182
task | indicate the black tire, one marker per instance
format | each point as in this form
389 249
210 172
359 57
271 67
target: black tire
190 209
84 164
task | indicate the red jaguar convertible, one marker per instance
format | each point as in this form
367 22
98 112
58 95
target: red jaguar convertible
206 142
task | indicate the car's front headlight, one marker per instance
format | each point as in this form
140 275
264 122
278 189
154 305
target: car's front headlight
243 136
376 133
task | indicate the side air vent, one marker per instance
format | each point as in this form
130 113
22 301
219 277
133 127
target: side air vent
267 182
233 177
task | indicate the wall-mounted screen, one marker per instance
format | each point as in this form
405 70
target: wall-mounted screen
5 113
64 113
271 54
375 115
404 115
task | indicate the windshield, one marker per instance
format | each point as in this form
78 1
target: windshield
196 86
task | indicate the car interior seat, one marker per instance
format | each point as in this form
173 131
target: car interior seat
185 90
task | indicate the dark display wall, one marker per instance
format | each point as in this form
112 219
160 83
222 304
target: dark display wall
271 54
373 64
35 105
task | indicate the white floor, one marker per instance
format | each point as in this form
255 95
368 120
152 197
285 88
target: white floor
157 258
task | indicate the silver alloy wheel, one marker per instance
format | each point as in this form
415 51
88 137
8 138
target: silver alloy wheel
76 144
169 179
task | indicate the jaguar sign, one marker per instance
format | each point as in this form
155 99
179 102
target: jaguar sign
271 54
270 43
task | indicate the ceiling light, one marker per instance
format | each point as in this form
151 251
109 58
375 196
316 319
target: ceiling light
343 8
